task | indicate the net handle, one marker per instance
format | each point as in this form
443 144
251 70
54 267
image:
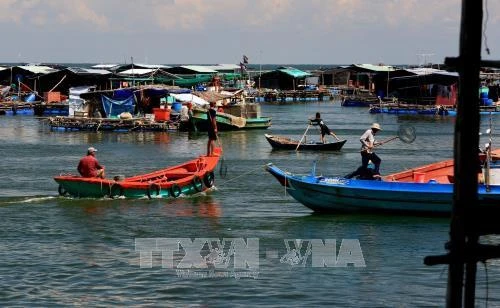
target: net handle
405 134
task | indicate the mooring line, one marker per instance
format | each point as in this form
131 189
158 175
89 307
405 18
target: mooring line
239 176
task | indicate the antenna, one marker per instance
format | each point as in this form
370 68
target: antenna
424 57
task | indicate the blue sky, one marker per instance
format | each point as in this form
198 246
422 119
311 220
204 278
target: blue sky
221 31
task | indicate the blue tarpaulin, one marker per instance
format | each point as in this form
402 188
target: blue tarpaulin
121 94
113 107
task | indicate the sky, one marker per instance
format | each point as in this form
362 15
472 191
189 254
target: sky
222 31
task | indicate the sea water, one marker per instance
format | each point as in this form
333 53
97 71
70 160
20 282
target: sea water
244 243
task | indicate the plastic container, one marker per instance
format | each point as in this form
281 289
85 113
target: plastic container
177 106
30 98
486 102
483 92
161 115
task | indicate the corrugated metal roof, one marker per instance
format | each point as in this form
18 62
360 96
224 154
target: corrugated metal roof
81 70
375 68
137 71
108 66
294 72
152 65
223 67
38 69
199 68
426 71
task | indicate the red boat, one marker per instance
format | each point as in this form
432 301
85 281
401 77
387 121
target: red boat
188 178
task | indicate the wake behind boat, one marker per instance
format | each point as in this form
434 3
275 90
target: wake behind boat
285 143
188 178
423 190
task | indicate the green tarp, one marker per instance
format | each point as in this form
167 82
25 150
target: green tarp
189 82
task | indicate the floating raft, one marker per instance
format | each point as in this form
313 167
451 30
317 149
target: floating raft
16 108
104 124
291 96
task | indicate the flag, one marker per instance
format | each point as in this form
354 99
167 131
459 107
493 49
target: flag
245 59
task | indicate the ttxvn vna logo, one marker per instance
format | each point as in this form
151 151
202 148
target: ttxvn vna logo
240 257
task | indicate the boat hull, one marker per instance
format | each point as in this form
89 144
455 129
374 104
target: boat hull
334 194
189 178
284 143
228 122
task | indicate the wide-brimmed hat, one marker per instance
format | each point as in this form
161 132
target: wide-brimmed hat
376 126
91 150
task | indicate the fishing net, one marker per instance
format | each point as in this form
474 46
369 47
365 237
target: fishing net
407 133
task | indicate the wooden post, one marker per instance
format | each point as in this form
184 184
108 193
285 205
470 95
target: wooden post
465 151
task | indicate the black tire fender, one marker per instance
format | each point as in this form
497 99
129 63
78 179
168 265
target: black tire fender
175 190
209 179
197 183
153 188
116 190
62 191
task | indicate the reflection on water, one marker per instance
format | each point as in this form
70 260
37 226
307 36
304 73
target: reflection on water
193 207
201 205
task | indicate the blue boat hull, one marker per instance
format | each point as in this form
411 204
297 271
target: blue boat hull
333 194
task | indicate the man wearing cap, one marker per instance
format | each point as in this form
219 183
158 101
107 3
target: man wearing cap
367 144
89 167
212 128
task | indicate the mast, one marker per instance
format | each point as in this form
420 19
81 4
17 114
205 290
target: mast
133 80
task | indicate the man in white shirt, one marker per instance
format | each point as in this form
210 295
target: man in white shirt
367 144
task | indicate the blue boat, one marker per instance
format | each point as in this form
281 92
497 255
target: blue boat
426 190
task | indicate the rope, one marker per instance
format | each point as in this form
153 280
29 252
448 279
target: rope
487 283
239 176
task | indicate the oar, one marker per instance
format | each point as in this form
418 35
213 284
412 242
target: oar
303 136
338 139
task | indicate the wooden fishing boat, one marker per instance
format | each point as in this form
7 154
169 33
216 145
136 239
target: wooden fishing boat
285 143
235 117
188 178
426 190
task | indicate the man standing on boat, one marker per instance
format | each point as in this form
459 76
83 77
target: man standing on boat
367 144
89 167
212 128
324 129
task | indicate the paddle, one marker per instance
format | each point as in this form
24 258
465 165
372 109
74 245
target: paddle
333 134
303 136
